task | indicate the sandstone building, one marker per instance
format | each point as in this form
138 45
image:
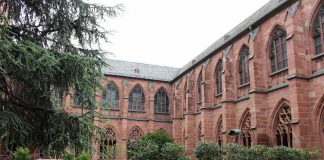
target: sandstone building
264 77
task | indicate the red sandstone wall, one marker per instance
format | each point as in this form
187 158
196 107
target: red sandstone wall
262 97
301 91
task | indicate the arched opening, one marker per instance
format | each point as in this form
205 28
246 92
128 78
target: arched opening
108 147
110 97
135 134
199 133
219 131
246 129
243 67
218 77
136 99
319 112
278 50
318 31
282 126
161 101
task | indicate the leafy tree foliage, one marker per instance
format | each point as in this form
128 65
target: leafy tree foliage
158 137
207 150
48 48
157 145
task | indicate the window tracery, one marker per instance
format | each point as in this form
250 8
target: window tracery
283 127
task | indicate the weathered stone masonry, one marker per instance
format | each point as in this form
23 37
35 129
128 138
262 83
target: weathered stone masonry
264 77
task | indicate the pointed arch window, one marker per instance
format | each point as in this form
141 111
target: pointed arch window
199 133
135 134
136 99
199 86
218 77
244 65
110 97
219 132
278 50
108 148
246 129
283 128
318 31
161 101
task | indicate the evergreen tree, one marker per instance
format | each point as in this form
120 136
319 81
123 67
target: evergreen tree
48 49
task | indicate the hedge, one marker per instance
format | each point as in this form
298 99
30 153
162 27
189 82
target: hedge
212 151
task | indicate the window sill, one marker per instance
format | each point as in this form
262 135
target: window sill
136 111
165 113
244 85
278 72
218 95
318 56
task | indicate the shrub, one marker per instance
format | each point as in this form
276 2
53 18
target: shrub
68 156
84 156
259 152
142 150
158 137
22 154
173 151
206 150
283 153
157 145
234 152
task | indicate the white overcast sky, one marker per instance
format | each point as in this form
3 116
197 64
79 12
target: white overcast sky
172 32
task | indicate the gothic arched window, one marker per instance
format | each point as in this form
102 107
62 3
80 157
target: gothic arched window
244 65
218 77
161 102
219 132
318 31
108 148
246 128
283 128
278 50
110 97
135 134
199 133
136 99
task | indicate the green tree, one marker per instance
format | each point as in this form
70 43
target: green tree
157 145
158 137
48 48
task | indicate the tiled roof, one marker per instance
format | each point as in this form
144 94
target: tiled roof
239 29
140 70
